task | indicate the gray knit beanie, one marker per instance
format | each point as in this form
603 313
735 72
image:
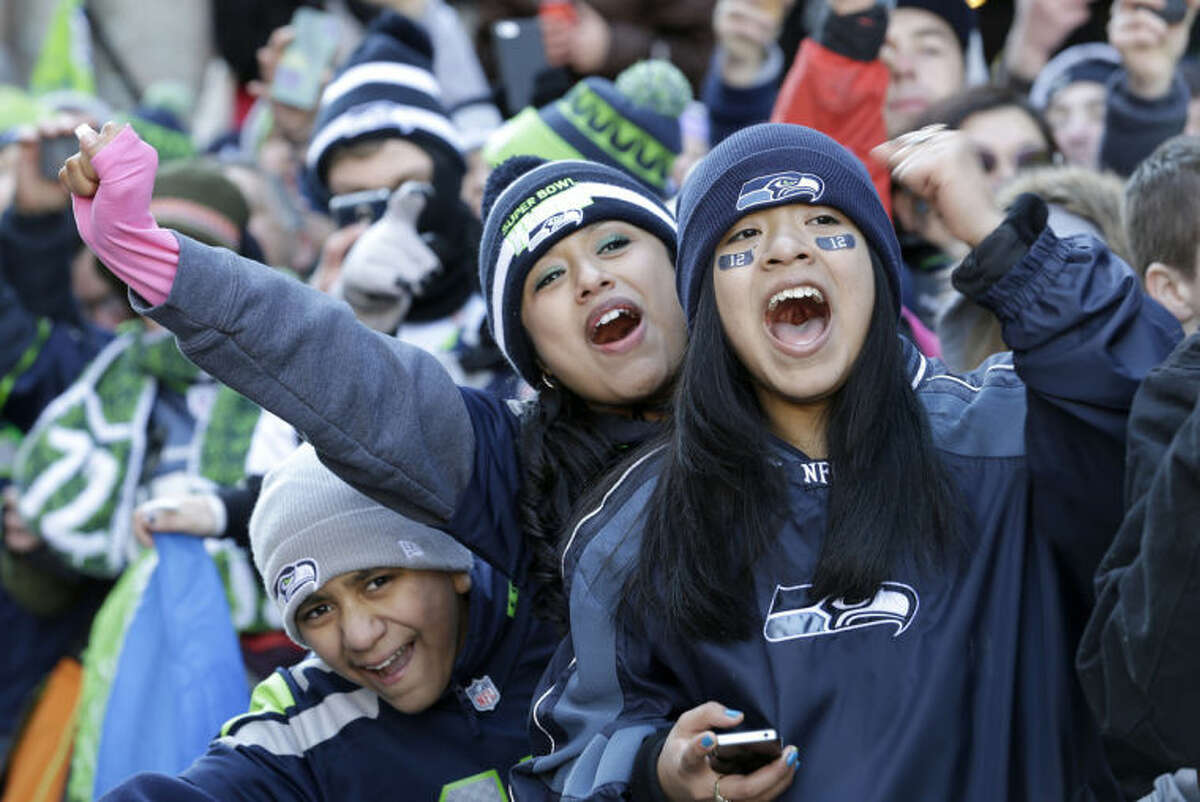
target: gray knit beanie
309 527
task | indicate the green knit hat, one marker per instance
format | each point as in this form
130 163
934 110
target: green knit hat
632 125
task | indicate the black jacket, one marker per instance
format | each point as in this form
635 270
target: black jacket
1139 660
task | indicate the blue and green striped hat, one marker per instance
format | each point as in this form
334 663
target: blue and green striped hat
632 125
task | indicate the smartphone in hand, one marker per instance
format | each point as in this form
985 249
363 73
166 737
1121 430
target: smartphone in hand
744 752
53 152
300 73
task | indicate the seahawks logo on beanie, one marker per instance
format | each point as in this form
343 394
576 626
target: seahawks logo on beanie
777 186
293 577
558 221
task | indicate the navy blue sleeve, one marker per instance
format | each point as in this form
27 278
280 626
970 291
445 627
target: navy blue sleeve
1134 127
733 108
487 519
35 255
221 775
1083 337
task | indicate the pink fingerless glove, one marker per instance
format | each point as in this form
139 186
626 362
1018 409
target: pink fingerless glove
117 225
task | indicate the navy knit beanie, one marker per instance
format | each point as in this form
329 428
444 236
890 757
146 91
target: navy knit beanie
529 205
773 164
385 88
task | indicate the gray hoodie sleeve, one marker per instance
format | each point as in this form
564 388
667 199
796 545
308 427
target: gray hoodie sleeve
382 414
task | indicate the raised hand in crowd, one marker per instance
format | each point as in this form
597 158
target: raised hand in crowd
580 40
201 514
942 167
333 255
1150 46
683 765
291 123
1038 30
40 148
389 264
745 31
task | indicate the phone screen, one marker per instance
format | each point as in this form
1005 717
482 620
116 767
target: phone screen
300 73
53 152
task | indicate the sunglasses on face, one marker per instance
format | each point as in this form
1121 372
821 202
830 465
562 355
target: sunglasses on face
358 207
1032 157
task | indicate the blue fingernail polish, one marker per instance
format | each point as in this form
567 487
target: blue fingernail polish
792 759
732 713
706 741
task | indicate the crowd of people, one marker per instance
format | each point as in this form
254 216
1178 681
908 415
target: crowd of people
825 368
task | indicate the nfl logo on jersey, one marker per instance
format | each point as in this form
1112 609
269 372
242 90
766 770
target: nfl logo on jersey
483 694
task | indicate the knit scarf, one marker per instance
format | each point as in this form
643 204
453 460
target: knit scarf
80 466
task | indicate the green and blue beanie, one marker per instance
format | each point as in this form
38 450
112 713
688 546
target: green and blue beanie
632 125
529 205
773 164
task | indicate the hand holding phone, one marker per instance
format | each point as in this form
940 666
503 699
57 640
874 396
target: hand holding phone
305 64
684 768
744 752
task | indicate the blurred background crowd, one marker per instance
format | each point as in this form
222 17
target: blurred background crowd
280 138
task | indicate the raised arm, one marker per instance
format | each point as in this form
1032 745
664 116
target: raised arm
381 413
1082 333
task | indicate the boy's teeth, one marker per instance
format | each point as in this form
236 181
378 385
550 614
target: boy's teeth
796 292
395 656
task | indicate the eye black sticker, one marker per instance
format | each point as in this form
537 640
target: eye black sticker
838 242
730 260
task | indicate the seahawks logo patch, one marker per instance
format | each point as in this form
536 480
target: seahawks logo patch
793 615
292 577
779 186
568 217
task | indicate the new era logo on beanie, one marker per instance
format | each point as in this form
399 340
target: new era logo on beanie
385 88
768 165
632 124
529 205
309 526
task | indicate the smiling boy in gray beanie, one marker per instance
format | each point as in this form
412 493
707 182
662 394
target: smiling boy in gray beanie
424 660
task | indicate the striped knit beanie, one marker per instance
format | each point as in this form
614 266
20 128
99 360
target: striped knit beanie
529 205
385 88
195 198
773 164
632 124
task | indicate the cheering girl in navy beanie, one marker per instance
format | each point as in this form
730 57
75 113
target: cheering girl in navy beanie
577 273
836 538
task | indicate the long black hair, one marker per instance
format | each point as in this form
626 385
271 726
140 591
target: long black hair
720 500
566 447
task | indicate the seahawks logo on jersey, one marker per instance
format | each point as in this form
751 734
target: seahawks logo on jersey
793 615
779 186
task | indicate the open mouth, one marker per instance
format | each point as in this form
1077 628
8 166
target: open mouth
612 324
798 316
391 668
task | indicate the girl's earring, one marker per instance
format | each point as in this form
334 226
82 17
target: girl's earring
549 382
